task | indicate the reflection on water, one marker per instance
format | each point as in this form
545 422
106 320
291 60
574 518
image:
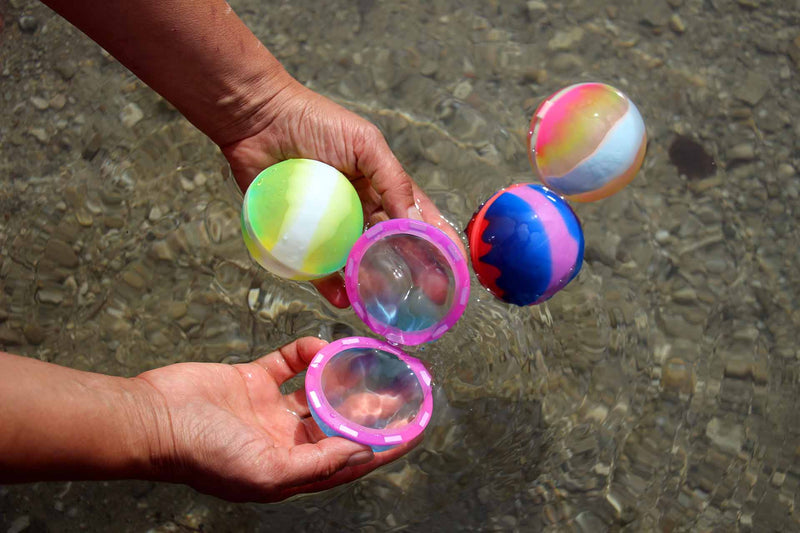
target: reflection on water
659 391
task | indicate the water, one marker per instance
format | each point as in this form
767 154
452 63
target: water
658 391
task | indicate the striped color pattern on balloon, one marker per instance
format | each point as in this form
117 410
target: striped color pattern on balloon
300 219
526 244
587 141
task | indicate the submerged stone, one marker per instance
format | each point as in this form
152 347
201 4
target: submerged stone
691 158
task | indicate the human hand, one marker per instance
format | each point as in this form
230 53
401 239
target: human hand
227 430
303 124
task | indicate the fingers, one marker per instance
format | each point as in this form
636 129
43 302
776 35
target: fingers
287 361
314 462
354 468
332 289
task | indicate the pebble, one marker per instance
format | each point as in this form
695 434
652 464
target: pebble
652 13
686 295
20 524
565 62
50 296
130 115
195 518
58 102
662 236
28 24
785 170
113 221
753 89
602 245
34 333
84 217
716 265
39 134
565 40
677 375
200 179
676 23
725 435
742 152
462 90
428 67
187 184
133 279
737 368
67 69
162 251
61 253
536 6
176 310
40 103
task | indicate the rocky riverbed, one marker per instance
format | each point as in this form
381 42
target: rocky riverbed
658 391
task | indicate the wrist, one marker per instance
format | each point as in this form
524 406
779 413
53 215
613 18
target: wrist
151 437
248 105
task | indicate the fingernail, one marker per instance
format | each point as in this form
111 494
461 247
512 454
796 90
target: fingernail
415 213
359 458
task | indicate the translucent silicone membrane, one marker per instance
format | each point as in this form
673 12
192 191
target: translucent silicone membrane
372 388
369 391
407 280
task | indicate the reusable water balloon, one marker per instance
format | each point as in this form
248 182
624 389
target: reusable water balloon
586 141
369 391
300 219
407 280
525 243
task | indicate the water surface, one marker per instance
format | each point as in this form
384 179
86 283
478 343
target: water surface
658 391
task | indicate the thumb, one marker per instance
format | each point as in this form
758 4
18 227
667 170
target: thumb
310 463
394 187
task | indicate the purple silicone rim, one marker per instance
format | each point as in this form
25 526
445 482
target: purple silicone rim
357 432
443 243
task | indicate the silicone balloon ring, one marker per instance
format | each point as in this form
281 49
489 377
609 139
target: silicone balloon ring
407 280
370 392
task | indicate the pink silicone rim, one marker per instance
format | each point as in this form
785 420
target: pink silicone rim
444 244
357 432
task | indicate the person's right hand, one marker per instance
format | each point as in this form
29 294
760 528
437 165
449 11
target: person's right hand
299 123
227 430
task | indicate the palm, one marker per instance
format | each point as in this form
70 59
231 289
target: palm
237 436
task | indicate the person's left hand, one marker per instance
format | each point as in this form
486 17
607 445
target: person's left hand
227 430
304 124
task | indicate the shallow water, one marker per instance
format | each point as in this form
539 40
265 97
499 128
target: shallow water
658 391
